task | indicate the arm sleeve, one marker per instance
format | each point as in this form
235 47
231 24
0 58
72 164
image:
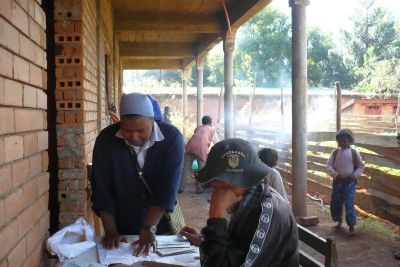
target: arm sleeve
279 186
215 138
330 168
167 188
217 248
101 180
360 167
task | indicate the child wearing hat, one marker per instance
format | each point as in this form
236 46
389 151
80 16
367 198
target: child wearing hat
344 165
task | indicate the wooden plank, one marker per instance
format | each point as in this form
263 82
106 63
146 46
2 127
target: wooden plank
312 240
156 49
160 22
307 260
241 11
140 64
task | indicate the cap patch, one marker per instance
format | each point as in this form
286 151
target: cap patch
233 158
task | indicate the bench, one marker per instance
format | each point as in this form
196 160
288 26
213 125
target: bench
325 246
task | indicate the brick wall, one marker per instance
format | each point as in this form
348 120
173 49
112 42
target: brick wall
24 180
82 43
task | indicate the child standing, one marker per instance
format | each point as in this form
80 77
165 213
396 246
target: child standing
344 165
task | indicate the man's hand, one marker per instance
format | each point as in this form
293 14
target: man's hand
146 241
192 235
221 200
111 240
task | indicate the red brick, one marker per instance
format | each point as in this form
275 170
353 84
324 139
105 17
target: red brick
14 204
13 93
43 139
35 164
30 96
5 179
31 8
69 117
36 257
41 99
78 26
23 120
38 119
80 116
6 62
2 213
59 95
5 9
35 31
40 207
58 27
26 48
9 36
7 238
30 191
30 144
45 161
40 16
43 183
18 254
23 4
25 220
20 18
2 151
33 238
14 148
45 223
2 90
6 120
60 117
35 75
20 172
21 69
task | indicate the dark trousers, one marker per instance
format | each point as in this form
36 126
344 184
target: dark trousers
189 158
343 192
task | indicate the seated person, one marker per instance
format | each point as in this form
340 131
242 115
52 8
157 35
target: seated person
274 179
262 230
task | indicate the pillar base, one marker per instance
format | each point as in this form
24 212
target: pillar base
307 220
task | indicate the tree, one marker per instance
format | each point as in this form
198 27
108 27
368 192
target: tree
266 40
373 27
379 76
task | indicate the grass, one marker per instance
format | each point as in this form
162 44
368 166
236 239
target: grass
381 228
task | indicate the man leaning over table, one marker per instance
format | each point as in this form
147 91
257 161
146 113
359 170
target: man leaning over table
120 198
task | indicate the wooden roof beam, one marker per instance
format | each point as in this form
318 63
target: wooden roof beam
151 64
241 11
168 22
156 49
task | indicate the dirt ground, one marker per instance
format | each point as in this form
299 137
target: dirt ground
364 249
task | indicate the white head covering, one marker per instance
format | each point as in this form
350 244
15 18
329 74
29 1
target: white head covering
136 104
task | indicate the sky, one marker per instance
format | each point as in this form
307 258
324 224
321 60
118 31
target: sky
331 15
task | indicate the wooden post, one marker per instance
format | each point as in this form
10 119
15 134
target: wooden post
252 101
221 97
200 72
229 46
282 110
185 74
338 106
299 107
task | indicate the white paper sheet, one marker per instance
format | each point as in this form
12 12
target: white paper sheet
124 254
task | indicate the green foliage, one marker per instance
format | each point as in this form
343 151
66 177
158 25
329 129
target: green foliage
265 42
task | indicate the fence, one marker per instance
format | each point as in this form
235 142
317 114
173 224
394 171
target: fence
378 189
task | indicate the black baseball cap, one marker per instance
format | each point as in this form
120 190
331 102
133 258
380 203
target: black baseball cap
235 162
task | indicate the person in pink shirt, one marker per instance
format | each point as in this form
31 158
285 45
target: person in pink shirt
344 165
197 148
